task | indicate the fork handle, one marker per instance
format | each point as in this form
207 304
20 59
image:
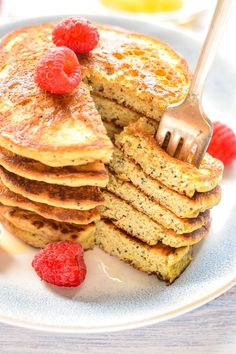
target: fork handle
209 48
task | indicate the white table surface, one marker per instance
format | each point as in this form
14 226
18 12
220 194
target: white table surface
209 329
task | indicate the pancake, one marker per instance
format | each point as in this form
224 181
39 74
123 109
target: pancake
138 142
57 130
91 174
137 71
77 198
10 198
113 112
37 231
181 205
164 261
128 192
139 225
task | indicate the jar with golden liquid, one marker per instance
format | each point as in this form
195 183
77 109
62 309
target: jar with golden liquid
145 6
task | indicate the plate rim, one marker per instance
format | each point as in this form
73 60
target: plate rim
131 325
141 322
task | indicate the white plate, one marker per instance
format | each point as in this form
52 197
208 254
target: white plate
115 296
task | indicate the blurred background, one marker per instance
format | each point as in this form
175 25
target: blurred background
175 12
181 12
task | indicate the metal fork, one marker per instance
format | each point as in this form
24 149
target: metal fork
184 130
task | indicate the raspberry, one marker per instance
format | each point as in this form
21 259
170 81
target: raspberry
61 264
58 71
223 143
76 33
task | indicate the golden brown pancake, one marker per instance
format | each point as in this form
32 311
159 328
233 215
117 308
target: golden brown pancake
138 142
181 205
10 198
164 261
57 130
128 192
137 71
91 174
139 225
77 198
37 231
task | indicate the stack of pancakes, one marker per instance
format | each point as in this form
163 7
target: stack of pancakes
156 207
52 151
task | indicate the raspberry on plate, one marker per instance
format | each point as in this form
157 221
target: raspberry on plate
58 71
223 143
61 264
76 33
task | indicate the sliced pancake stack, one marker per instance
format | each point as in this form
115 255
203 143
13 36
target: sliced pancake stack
156 207
54 147
52 151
